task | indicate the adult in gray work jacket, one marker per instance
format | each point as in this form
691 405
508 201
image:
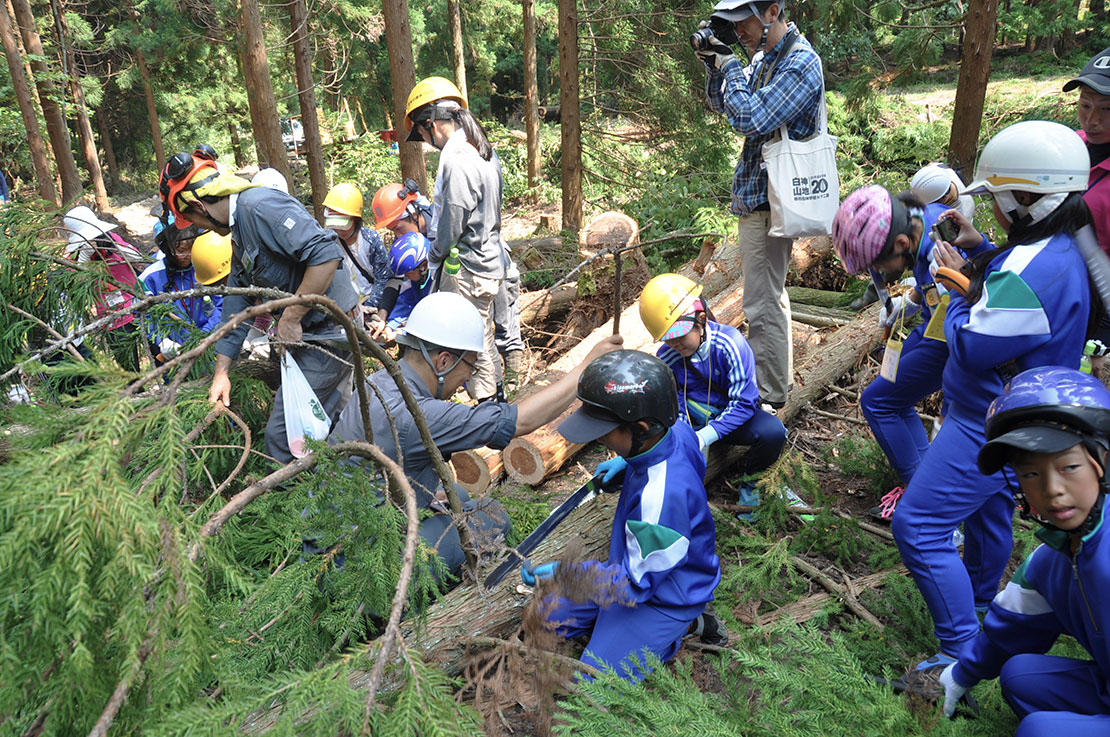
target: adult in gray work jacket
781 86
467 215
278 244
444 336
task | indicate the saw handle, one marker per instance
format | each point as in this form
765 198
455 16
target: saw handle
953 280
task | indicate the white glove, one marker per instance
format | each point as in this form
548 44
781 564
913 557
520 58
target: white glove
168 348
953 691
706 437
717 54
901 305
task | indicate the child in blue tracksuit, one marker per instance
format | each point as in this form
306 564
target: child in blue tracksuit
408 260
173 273
714 369
1022 306
889 406
663 566
1050 429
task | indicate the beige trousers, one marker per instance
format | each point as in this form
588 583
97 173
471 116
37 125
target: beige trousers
764 261
480 291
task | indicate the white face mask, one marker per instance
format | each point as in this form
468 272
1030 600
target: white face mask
1037 212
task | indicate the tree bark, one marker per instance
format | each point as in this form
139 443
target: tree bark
35 143
151 111
458 51
570 149
253 107
971 90
84 127
236 143
306 95
402 75
268 130
535 307
106 142
531 98
56 126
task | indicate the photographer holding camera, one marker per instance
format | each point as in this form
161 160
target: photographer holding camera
781 86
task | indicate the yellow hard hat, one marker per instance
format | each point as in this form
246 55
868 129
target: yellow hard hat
211 257
666 298
428 91
345 198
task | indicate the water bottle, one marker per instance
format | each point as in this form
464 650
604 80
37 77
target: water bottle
1085 361
452 264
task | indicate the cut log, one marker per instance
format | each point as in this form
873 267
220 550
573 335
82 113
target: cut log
808 251
819 297
531 458
536 307
476 470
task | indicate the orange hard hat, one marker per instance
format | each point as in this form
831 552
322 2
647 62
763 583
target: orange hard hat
178 175
391 203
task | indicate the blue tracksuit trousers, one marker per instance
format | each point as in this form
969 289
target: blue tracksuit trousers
1056 696
617 631
764 435
889 406
948 489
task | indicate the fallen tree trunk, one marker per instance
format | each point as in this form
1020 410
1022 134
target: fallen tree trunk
819 297
821 317
808 251
532 458
536 307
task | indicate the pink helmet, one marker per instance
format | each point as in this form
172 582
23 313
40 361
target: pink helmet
861 227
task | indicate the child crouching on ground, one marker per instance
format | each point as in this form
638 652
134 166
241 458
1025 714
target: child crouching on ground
663 565
1050 428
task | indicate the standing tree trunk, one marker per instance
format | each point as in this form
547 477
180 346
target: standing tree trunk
531 101
571 124
971 90
84 127
151 111
268 130
27 109
402 74
236 143
253 106
1098 11
56 126
306 94
458 53
106 142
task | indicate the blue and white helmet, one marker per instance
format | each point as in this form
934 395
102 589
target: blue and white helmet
408 252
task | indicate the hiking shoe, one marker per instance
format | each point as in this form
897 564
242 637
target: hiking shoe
709 629
887 504
748 495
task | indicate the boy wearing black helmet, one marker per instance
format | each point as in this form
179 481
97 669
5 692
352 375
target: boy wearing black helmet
663 565
1049 428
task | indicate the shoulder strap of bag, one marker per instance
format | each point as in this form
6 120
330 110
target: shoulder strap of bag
823 116
768 72
365 273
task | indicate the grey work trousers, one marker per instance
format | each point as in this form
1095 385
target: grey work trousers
506 313
329 379
764 261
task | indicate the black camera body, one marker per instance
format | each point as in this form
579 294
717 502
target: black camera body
723 30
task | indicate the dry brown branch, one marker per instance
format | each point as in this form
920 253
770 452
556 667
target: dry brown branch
69 346
836 589
119 695
834 416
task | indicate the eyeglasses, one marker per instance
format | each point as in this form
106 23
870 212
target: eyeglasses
473 367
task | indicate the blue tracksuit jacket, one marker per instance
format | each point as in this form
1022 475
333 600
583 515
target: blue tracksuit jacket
717 383
663 542
409 294
1053 593
201 312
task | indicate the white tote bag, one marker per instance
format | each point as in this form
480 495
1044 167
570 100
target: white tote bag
802 184
304 415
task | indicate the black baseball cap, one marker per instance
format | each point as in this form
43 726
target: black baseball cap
587 424
1029 438
1095 75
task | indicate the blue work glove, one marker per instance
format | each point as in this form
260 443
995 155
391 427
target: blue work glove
543 572
610 469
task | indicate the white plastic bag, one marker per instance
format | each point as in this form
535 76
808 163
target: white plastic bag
803 187
304 415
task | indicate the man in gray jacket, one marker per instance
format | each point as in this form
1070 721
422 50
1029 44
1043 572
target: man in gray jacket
277 244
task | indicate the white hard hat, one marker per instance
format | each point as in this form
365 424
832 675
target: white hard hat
271 178
1032 156
447 320
83 227
931 182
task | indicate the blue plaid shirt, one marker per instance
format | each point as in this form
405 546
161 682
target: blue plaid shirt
791 96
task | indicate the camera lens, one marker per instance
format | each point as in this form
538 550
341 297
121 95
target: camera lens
699 39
